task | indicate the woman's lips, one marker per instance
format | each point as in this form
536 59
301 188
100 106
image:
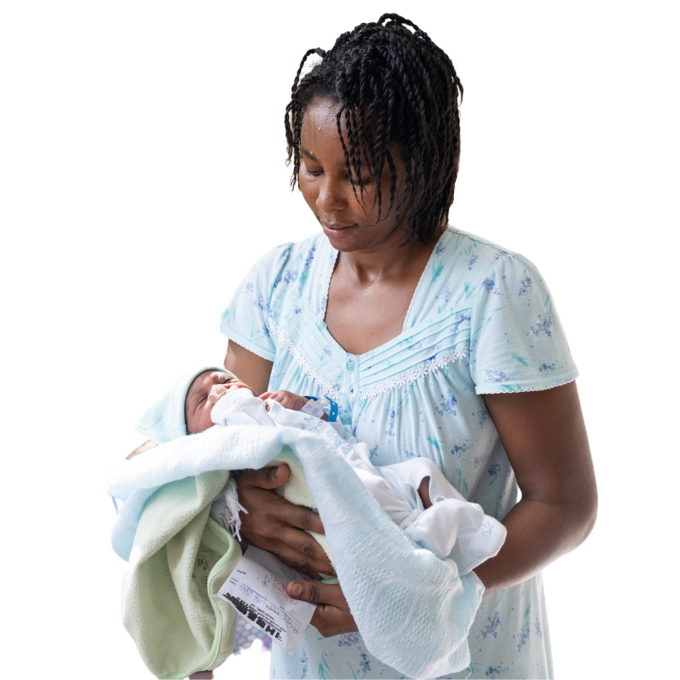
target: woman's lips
335 228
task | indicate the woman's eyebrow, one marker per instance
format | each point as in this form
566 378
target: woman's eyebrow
309 154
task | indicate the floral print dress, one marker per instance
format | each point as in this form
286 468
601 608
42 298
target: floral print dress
481 321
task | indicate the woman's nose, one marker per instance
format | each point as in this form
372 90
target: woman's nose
331 195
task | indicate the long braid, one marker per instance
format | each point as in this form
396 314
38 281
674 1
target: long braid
395 89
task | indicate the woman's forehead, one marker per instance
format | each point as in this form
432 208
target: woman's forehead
320 120
325 110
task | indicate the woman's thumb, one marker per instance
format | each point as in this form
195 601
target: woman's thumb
272 477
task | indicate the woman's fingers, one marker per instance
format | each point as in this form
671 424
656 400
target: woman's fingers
277 526
251 483
265 478
303 552
332 615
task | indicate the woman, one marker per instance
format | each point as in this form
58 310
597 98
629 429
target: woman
434 343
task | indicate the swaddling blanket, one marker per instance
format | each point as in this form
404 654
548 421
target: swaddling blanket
412 609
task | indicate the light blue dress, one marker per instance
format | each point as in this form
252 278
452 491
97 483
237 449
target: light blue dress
481 321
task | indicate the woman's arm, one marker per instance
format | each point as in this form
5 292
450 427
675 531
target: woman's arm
545 438
140 449
272 523
248 367
275 525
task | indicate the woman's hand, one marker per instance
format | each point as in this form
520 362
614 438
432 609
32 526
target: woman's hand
332 615
277 526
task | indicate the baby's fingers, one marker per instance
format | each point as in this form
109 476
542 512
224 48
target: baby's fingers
279 395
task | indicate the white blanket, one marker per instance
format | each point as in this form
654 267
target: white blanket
412 609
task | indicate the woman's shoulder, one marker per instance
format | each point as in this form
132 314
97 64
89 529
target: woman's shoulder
468 273
480 259
287 261
516 341
474 253
273 286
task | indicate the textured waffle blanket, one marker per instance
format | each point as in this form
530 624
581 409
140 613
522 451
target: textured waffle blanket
412 609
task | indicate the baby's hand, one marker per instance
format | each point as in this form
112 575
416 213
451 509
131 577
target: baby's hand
287 399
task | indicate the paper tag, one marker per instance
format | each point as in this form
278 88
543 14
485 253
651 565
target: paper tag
256 589
312 408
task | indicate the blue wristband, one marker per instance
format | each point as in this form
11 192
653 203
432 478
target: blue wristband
333 413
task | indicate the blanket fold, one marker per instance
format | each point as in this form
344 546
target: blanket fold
412 609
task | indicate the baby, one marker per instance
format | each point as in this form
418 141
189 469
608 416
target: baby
414 493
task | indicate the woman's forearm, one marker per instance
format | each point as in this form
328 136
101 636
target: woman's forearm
140 449
546 442
248 367
538 533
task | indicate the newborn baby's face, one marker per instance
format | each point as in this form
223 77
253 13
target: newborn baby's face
206 390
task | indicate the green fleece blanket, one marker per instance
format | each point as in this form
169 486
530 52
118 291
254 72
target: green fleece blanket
179 560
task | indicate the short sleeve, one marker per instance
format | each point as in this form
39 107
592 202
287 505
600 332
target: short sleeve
516 340
246 319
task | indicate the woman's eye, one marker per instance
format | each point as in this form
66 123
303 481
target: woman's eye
317 172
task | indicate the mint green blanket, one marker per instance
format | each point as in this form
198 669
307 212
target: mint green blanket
179 560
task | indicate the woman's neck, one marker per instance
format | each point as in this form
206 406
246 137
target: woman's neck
392 259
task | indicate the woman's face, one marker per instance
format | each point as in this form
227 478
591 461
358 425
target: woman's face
349 224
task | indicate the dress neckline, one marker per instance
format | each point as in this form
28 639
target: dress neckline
397 337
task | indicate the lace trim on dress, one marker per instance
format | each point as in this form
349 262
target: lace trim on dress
500 389
326 386
426 368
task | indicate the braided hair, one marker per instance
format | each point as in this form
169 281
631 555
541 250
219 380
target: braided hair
393 85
